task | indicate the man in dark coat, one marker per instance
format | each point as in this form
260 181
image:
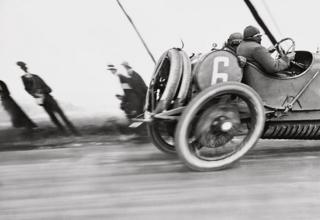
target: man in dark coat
132 101
18 117
136 82
37 88
254 52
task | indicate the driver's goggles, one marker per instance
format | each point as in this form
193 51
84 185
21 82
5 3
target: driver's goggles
258 35
235 42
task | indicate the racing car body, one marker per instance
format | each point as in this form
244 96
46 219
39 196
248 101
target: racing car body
276 91
214 113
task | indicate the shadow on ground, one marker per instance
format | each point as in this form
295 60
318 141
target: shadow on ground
108 131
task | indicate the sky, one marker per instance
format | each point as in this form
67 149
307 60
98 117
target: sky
70 42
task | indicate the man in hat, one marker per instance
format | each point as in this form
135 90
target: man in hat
37 88
233 42
17 115
254 52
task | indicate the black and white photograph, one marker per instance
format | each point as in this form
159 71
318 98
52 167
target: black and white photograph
159 109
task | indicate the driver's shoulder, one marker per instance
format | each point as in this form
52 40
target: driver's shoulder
249 44
246 47
260 50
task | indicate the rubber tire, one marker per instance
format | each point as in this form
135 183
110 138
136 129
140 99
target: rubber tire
181 139
158 141
174 78
185 83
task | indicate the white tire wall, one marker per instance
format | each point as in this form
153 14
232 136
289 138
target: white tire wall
181 136
185 81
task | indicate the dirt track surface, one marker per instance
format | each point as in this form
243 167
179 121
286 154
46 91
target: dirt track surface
277 180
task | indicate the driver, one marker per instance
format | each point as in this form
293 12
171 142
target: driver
254 52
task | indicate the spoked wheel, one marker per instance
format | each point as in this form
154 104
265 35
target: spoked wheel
219 126
162 135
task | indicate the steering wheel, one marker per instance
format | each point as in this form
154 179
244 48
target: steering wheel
290 49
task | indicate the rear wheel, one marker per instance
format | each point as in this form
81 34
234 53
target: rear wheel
219 126
168 89
161 133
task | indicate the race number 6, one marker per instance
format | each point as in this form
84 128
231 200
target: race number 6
215 73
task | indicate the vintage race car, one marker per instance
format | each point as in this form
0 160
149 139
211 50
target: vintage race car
213 110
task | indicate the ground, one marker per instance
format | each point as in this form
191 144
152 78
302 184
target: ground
105 176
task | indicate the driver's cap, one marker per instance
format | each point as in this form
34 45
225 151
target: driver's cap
250 31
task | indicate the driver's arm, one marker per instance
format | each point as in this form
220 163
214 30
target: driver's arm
270 65
271 49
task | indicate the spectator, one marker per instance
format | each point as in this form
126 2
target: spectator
37 88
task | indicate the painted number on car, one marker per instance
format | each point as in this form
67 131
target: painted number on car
216 75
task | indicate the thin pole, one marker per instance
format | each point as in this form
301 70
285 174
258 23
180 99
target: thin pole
135 28
259 20
272 17
290 105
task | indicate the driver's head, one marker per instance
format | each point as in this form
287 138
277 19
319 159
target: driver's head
252 33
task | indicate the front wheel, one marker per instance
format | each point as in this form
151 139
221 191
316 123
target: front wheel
219 126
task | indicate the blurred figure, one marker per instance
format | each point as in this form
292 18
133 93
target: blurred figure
233 42
134 91
138 86
136 82
18 117
37 88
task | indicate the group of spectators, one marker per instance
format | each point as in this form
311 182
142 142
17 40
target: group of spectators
132 99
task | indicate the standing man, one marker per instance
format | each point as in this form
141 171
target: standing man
37 88
18 117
